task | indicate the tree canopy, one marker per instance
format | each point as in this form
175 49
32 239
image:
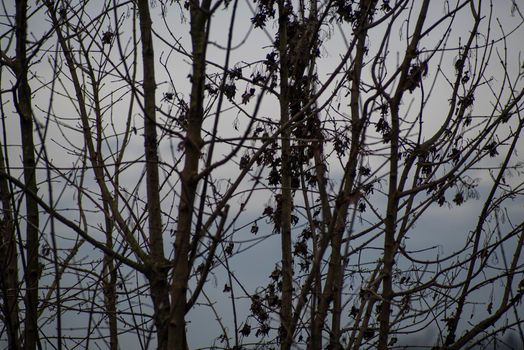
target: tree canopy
225 174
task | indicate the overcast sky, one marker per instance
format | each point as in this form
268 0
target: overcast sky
444 228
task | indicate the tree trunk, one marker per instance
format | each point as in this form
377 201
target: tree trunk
23 106
8 263
390 222
189 180
285 199
157 265
109 283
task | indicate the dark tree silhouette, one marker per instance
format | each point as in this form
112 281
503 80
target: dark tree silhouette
360 158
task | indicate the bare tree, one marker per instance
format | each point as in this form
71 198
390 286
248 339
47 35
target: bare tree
163 148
